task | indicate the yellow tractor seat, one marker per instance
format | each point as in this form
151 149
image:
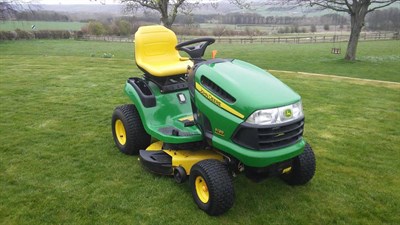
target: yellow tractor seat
155 52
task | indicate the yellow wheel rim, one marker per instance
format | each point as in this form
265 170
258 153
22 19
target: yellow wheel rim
202 189
120 132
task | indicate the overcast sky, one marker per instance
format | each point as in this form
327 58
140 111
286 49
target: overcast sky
70 2
67 2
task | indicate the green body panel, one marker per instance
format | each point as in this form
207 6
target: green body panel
252 87
226 122
256 158
166 113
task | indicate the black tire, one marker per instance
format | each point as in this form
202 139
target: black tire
303 168
180 175
219 186
132 128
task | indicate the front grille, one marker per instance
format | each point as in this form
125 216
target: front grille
268 137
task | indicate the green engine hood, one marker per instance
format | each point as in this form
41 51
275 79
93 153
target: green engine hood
252 87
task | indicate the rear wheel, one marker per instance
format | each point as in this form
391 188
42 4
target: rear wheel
303 168
212 187
128 131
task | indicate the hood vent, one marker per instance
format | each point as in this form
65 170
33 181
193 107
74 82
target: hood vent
214 88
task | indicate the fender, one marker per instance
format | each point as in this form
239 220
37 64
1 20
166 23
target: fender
143 91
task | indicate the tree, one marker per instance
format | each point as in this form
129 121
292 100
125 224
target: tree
387 19
125 28
167 8
357 9
9 8
96 28
313 28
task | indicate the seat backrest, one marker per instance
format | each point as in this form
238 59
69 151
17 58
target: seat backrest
154 45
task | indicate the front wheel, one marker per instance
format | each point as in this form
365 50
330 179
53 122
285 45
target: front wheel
303 168
128 131
212 187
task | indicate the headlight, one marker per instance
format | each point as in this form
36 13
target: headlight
277 115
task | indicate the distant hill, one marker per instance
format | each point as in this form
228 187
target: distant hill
264 8
112 9
223 8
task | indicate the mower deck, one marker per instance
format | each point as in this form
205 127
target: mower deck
162 161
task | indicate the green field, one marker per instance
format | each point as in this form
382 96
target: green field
40 25
59 165
376 60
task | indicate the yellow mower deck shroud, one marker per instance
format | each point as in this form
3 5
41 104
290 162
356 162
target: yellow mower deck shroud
186 158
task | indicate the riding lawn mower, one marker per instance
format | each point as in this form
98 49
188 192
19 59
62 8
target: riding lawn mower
206 121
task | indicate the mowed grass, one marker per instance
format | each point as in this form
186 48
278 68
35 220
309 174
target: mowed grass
40 25
379 60
59 164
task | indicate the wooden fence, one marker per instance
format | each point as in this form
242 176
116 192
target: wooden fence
270 39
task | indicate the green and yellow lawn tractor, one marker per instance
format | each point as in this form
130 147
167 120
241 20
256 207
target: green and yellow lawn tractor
208 120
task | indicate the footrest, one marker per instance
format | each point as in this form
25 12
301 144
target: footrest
156 161
173 131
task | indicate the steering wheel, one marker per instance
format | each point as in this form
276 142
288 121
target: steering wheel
195 51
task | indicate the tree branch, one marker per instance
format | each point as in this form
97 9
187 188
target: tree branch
349 6
242 4
143 3
385 3
9 8
330 4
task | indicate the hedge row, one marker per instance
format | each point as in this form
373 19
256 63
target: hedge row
42 34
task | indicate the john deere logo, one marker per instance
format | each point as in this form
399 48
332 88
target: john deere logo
219 132
288 113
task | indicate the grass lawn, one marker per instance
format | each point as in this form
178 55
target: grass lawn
58 162
379 60
40 25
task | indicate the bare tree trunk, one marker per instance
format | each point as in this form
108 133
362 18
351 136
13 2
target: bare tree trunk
353 40
163 6
166 22
357 23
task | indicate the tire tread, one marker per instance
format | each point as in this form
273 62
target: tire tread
219 183
303 168
136 136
